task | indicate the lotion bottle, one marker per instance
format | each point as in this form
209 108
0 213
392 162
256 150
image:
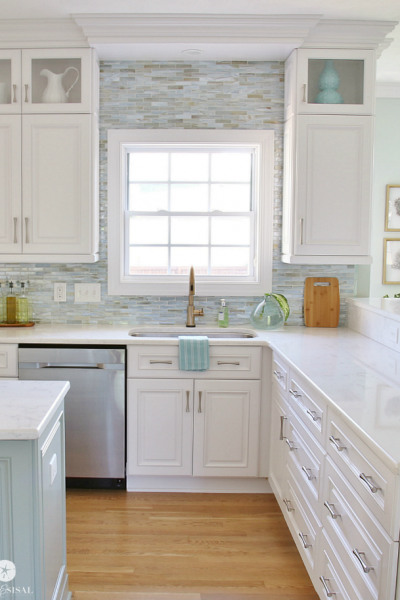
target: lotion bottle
223 315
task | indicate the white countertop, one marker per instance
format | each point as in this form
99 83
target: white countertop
26 407
388 307
358 377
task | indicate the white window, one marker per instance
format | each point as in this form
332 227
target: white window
179 198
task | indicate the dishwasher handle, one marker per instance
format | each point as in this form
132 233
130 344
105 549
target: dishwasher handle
47 365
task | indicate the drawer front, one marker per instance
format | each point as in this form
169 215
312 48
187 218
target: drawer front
331 575
311 409
365 471
305 527
280 374
305 459
371 554
163 361
8 360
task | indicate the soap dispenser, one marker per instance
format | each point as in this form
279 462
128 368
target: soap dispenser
223 315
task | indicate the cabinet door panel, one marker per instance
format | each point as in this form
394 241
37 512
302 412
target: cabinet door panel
334 185
10 82
10 184
56 157
279 429
226 428
160 426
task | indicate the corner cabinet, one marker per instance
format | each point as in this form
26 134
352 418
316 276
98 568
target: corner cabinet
49 156
328 157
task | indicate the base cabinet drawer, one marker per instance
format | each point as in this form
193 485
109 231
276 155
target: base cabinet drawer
309 407
280 374
332 580
8 360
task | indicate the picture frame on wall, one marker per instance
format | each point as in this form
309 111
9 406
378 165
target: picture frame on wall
391 261
392 219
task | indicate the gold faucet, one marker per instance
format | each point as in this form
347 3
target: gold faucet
191 311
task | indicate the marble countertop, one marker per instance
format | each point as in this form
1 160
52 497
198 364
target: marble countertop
358 377
388 307
26 407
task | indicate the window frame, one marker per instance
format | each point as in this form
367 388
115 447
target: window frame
119 141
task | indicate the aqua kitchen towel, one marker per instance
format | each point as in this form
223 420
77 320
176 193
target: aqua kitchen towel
194 353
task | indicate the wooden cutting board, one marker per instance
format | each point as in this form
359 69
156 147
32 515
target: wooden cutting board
321 302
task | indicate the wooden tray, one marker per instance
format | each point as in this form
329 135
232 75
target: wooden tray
30 324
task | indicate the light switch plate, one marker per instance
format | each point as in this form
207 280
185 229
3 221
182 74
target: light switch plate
60 292
87 292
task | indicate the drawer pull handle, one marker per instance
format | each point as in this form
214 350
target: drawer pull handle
304 92
161 362
291 445
228 363
308 473
15 229
359 556
15 93
332 512
278 375
289 507
200 393
27 230
366 479
281 436
26 93
303 537
313 415
294 393
325 584
335 442
187 401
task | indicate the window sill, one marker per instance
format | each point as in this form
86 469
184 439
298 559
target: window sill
221 289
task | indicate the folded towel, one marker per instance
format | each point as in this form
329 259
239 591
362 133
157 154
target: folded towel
194 353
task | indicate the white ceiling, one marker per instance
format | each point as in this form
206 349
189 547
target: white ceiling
382 10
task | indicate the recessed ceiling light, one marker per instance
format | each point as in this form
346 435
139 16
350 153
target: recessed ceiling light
192 52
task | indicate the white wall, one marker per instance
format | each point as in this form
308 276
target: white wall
386 171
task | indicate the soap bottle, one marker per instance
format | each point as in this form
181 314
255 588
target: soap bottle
11 305
223 315
22 306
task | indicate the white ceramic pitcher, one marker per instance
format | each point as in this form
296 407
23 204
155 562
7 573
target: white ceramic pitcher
55 92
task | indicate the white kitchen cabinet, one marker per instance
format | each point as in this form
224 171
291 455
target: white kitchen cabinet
10 82
327 189
355 73
160 426
226 428
278 449
10 184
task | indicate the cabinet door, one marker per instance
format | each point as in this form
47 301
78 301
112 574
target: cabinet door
279 428
160 426
226 428
57 184
57 80
10 184
334 167
10 82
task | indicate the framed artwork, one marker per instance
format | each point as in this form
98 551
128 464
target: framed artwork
391 261
392 221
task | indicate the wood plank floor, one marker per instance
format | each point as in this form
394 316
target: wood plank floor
148 546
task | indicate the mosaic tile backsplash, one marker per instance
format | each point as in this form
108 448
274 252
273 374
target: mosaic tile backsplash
197 95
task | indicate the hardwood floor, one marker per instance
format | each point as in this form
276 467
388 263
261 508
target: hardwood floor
148 546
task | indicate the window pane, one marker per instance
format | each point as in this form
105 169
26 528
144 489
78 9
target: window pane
230 261
148 196
231 197
148 166
183 258
191 196
230 230
231 166
148 261
148 230
189 166
189 230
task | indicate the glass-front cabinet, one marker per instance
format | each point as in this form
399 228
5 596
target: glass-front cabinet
57 80
330 82
10 82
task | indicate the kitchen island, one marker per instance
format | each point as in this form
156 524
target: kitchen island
32 490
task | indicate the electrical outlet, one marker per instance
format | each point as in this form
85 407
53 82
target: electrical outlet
87 292
60 292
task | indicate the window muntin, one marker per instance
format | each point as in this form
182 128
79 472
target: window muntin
190 206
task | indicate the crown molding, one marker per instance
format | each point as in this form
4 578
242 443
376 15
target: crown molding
390 89
195 28
41 33
336 33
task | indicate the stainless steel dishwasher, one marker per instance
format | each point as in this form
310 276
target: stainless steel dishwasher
94 408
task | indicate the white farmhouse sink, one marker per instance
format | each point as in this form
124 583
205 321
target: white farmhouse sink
211 333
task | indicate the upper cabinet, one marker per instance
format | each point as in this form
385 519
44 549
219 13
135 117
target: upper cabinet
43 81
330 82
